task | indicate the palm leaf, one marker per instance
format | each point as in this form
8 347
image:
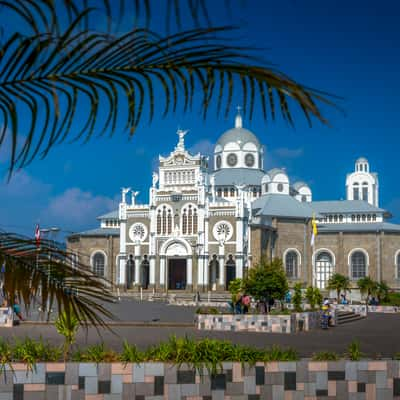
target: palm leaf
51 273
57 75
43 15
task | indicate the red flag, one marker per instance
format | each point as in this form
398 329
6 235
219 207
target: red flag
37 235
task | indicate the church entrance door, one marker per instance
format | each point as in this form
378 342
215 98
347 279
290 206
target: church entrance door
176 273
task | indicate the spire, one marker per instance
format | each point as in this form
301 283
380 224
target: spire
238 119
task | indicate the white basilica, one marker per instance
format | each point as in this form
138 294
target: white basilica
205 225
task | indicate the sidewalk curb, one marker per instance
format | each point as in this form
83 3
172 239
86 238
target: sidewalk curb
127 323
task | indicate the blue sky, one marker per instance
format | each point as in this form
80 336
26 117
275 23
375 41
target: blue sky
349 49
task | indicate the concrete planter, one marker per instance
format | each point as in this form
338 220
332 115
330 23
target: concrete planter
259 322
362 308
155 381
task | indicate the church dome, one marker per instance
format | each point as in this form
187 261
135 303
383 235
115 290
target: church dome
238 148
361 160
241 136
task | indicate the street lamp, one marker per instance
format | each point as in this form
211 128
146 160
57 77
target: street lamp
52 232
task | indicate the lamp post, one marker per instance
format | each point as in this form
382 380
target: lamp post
52 232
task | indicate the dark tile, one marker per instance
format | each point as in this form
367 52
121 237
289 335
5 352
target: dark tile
290 381
18 391
228 375
218 382
207 397
260 375
321 392
361 387
186 376
55 378
104 387
81 383
253 397
336 375
158 386
139 397
396 386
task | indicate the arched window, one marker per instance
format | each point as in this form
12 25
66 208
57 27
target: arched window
219 192
291 264
330 218
280 187
335 218
98 263
358 265
255 192
369 217
303 198
365 191
353 218
164 221
230 271
225 192
159 222
189 220
323 269
266 188
364 217
356 192
398 265
232 192
358 218
184 222
374 217
340 218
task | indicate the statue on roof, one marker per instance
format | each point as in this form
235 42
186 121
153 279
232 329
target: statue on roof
181 143
124 192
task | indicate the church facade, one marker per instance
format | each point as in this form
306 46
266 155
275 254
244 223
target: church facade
205 224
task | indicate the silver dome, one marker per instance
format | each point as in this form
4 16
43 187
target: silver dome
240 136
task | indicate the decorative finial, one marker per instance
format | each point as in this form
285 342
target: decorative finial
238 119
181 143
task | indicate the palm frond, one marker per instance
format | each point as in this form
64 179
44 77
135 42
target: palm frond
50 77
43 15
52 274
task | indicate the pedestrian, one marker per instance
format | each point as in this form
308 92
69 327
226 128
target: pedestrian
17 310
246 301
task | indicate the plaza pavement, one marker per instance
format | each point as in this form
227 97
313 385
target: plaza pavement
378 334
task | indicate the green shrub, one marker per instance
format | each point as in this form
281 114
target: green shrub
325 356
97 353
6 354
275 353
392 299
353 351
297 298
208 310
30 352
131 354
281 312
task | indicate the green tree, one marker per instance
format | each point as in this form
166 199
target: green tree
56 61
340 283
297 297
67 325
367 286
313 296
382 291
267 279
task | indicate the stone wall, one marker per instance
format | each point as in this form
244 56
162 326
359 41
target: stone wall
156 381
362 309
259 322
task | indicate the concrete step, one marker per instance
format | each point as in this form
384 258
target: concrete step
344 317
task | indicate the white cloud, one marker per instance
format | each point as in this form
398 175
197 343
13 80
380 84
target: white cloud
23 185
78 208
204 147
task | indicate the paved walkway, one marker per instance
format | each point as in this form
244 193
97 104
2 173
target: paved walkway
378 335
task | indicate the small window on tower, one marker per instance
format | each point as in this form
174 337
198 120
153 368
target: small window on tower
280 187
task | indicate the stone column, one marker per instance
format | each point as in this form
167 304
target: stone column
122 245
189 275
206 268
221 261
162 271
138 263
152 274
